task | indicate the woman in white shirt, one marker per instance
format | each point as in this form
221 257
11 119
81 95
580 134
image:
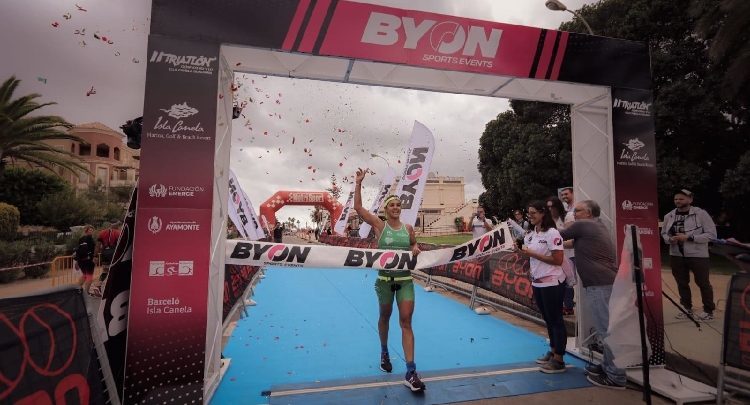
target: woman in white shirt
544 247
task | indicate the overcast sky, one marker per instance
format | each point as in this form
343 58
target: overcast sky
65 62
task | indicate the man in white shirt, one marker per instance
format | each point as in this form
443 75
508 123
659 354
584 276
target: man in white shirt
480 224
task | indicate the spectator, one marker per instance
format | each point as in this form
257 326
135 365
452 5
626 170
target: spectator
597 268
84 257
278 233
562 219
688 230
480 224
544 247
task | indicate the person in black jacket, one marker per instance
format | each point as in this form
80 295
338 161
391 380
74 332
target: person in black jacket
84 257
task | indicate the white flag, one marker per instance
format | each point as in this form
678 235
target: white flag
241 211
412 182
340 226
624 337
385 188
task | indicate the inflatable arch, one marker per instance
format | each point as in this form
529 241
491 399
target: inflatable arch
283 198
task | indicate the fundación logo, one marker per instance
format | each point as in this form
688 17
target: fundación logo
453 42
628 205
163 268
155 225
161 191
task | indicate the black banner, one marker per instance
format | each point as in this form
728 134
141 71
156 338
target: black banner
737 323
236 280
503 273
113 311
46 351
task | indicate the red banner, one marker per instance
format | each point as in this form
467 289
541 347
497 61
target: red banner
167 314
635 195
439 41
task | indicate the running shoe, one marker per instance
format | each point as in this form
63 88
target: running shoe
544 359
385 363
704 316
682 315
604 382
594 369
553 367
413 382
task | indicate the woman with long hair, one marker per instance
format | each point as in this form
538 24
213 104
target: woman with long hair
544 247
394 235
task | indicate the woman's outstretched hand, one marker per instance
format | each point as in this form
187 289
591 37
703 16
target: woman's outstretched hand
360 175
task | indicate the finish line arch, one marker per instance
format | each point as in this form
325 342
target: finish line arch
282 198
195 46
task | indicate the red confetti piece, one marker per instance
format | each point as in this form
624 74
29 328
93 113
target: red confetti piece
307 120
55 24
341 164
293 139
238 63
266 133
80 8
92 91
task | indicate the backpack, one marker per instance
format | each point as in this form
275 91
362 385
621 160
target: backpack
82 252
570 273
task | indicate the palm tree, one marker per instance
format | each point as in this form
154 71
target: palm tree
22 136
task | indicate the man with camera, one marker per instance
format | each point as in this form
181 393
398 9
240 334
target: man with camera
480 224
688 230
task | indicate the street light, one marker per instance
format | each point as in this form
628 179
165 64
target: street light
557 5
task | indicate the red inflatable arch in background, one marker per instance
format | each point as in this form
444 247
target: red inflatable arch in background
282 198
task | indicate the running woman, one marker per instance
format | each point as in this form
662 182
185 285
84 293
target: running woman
393 235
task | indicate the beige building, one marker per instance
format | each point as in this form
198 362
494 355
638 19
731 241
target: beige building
106 155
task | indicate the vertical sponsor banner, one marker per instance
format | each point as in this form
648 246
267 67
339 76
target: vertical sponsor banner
46 353
737 324
241 210
171 250
386 183
634 149
413 180
112 317
624 338
340 226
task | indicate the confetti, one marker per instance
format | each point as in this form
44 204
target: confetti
238 64
55 24
91 92
136 60
80 8
42 79
67 16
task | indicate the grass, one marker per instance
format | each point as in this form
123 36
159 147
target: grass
454 239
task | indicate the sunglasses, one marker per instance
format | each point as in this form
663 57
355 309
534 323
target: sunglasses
395 287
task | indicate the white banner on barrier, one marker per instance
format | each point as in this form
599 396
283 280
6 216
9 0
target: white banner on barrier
340 226
241 211
281 254
414 177
385 188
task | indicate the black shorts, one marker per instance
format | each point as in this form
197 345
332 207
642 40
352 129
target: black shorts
86 266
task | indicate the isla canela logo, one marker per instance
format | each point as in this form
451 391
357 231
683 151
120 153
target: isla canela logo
180 110
634 144
157 190
154 224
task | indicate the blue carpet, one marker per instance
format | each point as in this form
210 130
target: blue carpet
318 325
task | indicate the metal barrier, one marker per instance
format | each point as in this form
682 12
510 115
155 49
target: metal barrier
62 271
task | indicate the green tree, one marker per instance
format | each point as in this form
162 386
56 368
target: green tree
24 188
65 209
22 136
524 154
736 191
334 189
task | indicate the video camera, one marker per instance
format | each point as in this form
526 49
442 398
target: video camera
133 129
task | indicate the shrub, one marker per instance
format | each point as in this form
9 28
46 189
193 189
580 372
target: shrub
65 209
24 188
9 220
40 253
12 254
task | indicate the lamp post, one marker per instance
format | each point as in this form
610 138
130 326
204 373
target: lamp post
557 5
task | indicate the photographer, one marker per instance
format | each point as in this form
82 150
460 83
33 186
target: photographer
480 224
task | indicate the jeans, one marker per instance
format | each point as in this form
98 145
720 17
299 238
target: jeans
597 301
681 267
568 302
549 300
